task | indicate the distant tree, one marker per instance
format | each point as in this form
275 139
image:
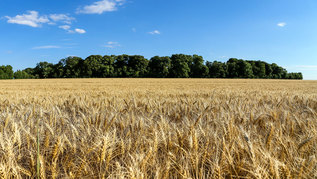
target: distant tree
233 68
93 66
198 69
21 75
58 70
262 71
159 67
179 66
255 68
121 66
216 69
137 66
72 67
107 66
29 71
294 76
268 70
278 72
6 72
43 70
244 69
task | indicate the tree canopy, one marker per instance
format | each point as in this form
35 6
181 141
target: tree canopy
137 66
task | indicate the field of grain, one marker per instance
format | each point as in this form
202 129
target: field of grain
158 128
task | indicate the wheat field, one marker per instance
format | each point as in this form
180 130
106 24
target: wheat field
158 128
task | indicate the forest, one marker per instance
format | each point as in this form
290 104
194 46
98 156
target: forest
137 66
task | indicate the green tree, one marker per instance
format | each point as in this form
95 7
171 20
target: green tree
21 75
198 68
121 66
244 69
233 68
278 72
179 66
93 66
6 72
72 67
43 70
107 66
268 70
294 76
137 66
176 66
217 69
159 67
262 71
58 70
30 72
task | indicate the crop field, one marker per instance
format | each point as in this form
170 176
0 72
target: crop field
158 128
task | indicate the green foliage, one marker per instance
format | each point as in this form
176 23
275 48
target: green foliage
137 66
244 69
197 68
21 75
43 70
179 66
72 67
217 69
6 72
297 76
233 69
121 66
159 67
107 66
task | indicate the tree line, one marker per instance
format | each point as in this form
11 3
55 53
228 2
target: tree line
137 66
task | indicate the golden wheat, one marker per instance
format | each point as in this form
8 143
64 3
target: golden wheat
158 128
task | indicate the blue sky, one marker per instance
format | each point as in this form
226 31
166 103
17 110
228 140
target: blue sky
276 31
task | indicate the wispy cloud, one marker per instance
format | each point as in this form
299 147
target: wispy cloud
80 31
282 24
100 7
69 30
32 19
65 27
61 18
155 32
112 44
46 47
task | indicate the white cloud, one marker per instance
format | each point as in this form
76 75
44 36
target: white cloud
61 18
68 29
112 44
282 24
80 31
100 7
32 19
65 27
46 47
155 32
